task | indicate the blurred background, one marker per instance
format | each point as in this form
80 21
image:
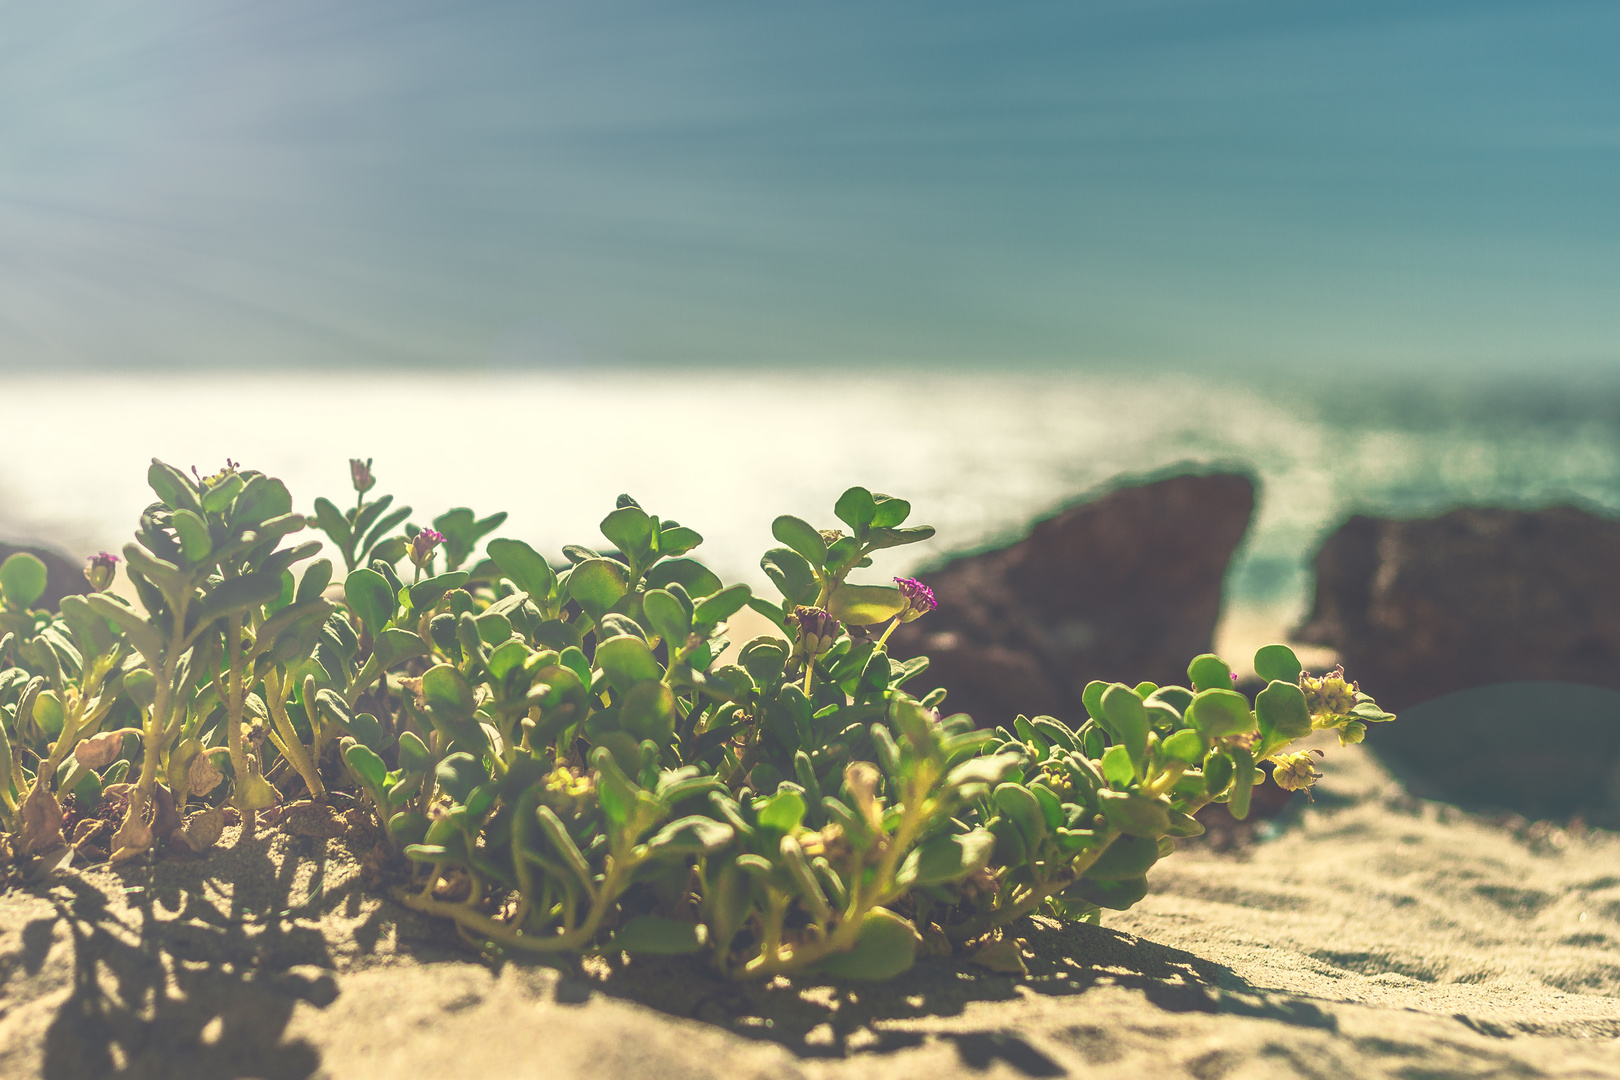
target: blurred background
733 258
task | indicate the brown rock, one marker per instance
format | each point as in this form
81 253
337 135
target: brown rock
1125 587
312 819
203 828
1476 596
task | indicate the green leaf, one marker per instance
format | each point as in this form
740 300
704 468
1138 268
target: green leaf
713 610
865 605
597 584
1371 713
1114 895
1172 697
333 523
886 947
677 539
367 730
947 858
843 553
172 486
89 629
195 543
1134 813
1125 719
1091 697
370 549
1209 672
395 644
1116 765
791 574
424 594
1019 803
317 576
994 769
856 509
413 753
333 707
782 811
889 511
238 594
526 567
627 660
446 692
506 658
367 766
694 835
218 498
458 774
763 658
1218 770
630 530
1126 857
669 618
1277 663
1185 746
878 539
647 711
22 580
462 532
802 537
653 935
1243 777
261 500
370 599
493 627
140 632
1056 732
564 844
693 576
1282 713
1220 712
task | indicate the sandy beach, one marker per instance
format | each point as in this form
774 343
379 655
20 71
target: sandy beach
1367 935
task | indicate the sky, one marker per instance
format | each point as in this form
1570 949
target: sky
1215 185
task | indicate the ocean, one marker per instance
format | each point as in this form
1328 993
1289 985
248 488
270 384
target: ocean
979 455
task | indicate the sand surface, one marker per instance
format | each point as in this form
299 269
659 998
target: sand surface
1371 936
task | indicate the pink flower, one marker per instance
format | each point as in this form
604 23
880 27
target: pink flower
103 566
422 545
919 598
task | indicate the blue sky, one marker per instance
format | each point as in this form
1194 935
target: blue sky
1210 184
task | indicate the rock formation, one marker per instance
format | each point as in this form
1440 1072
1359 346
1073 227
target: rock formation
1476 596
1125 587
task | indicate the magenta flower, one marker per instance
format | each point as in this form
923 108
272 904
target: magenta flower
919 598
818 630
360 472
422 545
103 566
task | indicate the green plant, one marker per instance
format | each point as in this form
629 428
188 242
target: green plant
565 758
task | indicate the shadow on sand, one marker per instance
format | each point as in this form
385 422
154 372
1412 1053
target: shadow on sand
174 979
820 1019
175 975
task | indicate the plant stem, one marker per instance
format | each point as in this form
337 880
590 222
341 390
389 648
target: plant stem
887 631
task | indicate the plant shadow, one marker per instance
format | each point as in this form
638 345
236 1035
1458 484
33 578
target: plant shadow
176 977
820 1018
194 970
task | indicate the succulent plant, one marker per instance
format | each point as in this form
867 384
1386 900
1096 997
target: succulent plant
569 756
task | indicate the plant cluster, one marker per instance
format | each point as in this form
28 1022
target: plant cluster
570 756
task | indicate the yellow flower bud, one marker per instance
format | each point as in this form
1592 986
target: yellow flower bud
1295 772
